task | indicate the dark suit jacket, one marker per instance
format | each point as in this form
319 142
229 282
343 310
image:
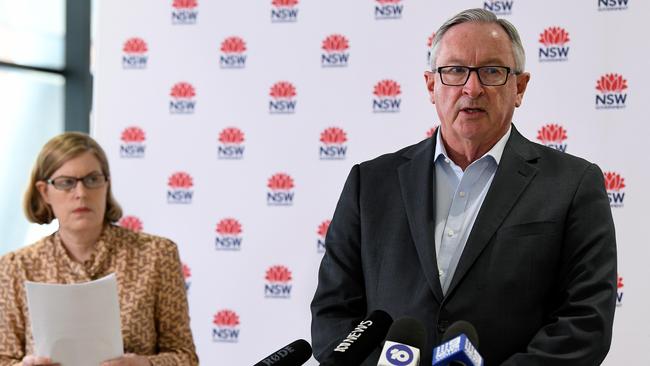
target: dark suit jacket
537 277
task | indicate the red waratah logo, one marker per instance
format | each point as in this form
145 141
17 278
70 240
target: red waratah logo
231 135
335 43
135 46
278 274
280 181
131 222
552 133
619 283
229 226
611 83
554 36
387 88
333 136
431 131
133 135
285 3
233 45
613 181
283 90
226 318
185 4
183 90
186 272
430 39
180 180
322 228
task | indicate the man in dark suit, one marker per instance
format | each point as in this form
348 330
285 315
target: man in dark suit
476 223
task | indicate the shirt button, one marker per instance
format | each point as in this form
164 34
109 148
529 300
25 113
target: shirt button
441 273
447 161
462 194
450 232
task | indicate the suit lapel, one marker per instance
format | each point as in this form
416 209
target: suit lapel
416 183
514 173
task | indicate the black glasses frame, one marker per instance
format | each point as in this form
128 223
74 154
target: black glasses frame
509 71
84 180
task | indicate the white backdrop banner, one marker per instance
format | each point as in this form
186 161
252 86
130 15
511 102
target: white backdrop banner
231 126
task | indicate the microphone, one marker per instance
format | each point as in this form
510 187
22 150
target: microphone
293 354
404 341
361 341
457 346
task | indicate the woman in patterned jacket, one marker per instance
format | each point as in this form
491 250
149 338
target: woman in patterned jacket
70 182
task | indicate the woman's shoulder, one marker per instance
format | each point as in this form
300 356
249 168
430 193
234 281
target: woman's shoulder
28 255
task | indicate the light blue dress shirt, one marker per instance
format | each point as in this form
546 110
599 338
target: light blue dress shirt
459 196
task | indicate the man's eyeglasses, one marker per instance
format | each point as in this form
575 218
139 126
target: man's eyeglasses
91 181
487 75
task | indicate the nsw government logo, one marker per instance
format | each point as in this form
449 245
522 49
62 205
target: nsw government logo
388 9
278 282
228 235
184 12
132 143
333 144
554 48
387 98
553 136
619 291
282 98
131 222
180 191
611 87
429 44
231 145
614 184
226 326
322 233
336 51
280 190
187 273
499 7
135 54
182 101
284 11
232 53
604 5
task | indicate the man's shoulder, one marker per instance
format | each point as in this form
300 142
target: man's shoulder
398 157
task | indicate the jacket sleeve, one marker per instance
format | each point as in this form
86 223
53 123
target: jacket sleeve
340 300
578 330
175 343
12 318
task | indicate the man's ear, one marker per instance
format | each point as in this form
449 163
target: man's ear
522 83
430 79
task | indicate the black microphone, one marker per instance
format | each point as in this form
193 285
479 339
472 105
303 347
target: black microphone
293 354
404 341
361 341
459 346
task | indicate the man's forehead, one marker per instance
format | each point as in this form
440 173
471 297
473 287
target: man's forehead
486 40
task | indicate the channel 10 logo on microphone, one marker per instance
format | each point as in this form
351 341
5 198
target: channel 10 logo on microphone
611 91
182 98
398 354
554 44
231 144
614 183
229 237
184 12
135 54
283 100
284 11
386 98
280 190
278 282
187 273
180 192
333 145
233 54
226 327
335 53
553 136
132 143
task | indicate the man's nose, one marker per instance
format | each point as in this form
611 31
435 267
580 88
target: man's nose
473 87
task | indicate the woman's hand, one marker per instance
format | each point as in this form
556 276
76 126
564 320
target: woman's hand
129 359
31 360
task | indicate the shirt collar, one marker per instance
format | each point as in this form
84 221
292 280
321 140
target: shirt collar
495 152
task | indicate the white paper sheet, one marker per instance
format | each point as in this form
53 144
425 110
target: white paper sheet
77 324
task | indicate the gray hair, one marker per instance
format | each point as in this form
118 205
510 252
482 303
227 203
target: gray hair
483 16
